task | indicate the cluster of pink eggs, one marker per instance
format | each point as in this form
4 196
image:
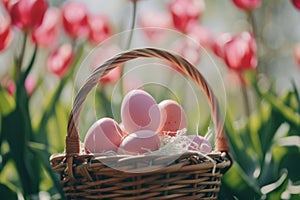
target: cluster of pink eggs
144 124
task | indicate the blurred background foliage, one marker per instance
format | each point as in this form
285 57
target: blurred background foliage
259 97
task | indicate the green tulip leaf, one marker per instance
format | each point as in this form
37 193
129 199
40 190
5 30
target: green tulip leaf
242 152
7 103
239 185
43 157
7 193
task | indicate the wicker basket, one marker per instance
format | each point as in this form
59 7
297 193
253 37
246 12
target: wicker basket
187 176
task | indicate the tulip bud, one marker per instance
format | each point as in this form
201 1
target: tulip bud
9 85
30 84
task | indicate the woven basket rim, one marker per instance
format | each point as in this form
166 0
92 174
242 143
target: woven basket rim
58 160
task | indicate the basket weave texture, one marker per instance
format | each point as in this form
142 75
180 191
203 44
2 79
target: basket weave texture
190 175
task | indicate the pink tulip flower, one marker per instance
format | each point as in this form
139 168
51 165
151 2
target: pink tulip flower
154 24
99 28
27 14
60 60
240 52
75 19
46 34
185 11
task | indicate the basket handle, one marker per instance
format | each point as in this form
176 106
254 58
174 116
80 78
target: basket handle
72 138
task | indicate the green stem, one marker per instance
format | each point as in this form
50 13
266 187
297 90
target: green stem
132 24
22 53
252 21
297 94
30 65
246 102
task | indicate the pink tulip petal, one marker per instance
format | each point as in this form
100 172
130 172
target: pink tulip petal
185 11
219 42
28 14
60 60
5 33
297 54
30 84
247 4
296 4
240 52
200 34
154 23
99 28
46 34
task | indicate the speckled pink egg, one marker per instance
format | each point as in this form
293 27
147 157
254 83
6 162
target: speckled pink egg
173 117
199 143
140 142
139 111
104 135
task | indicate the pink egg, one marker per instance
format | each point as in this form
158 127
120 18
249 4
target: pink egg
104 135
139 111
142 141
173 117
199 143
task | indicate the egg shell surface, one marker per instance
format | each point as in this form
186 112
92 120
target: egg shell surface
173 117
104 135
140 142
139 111
199 143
